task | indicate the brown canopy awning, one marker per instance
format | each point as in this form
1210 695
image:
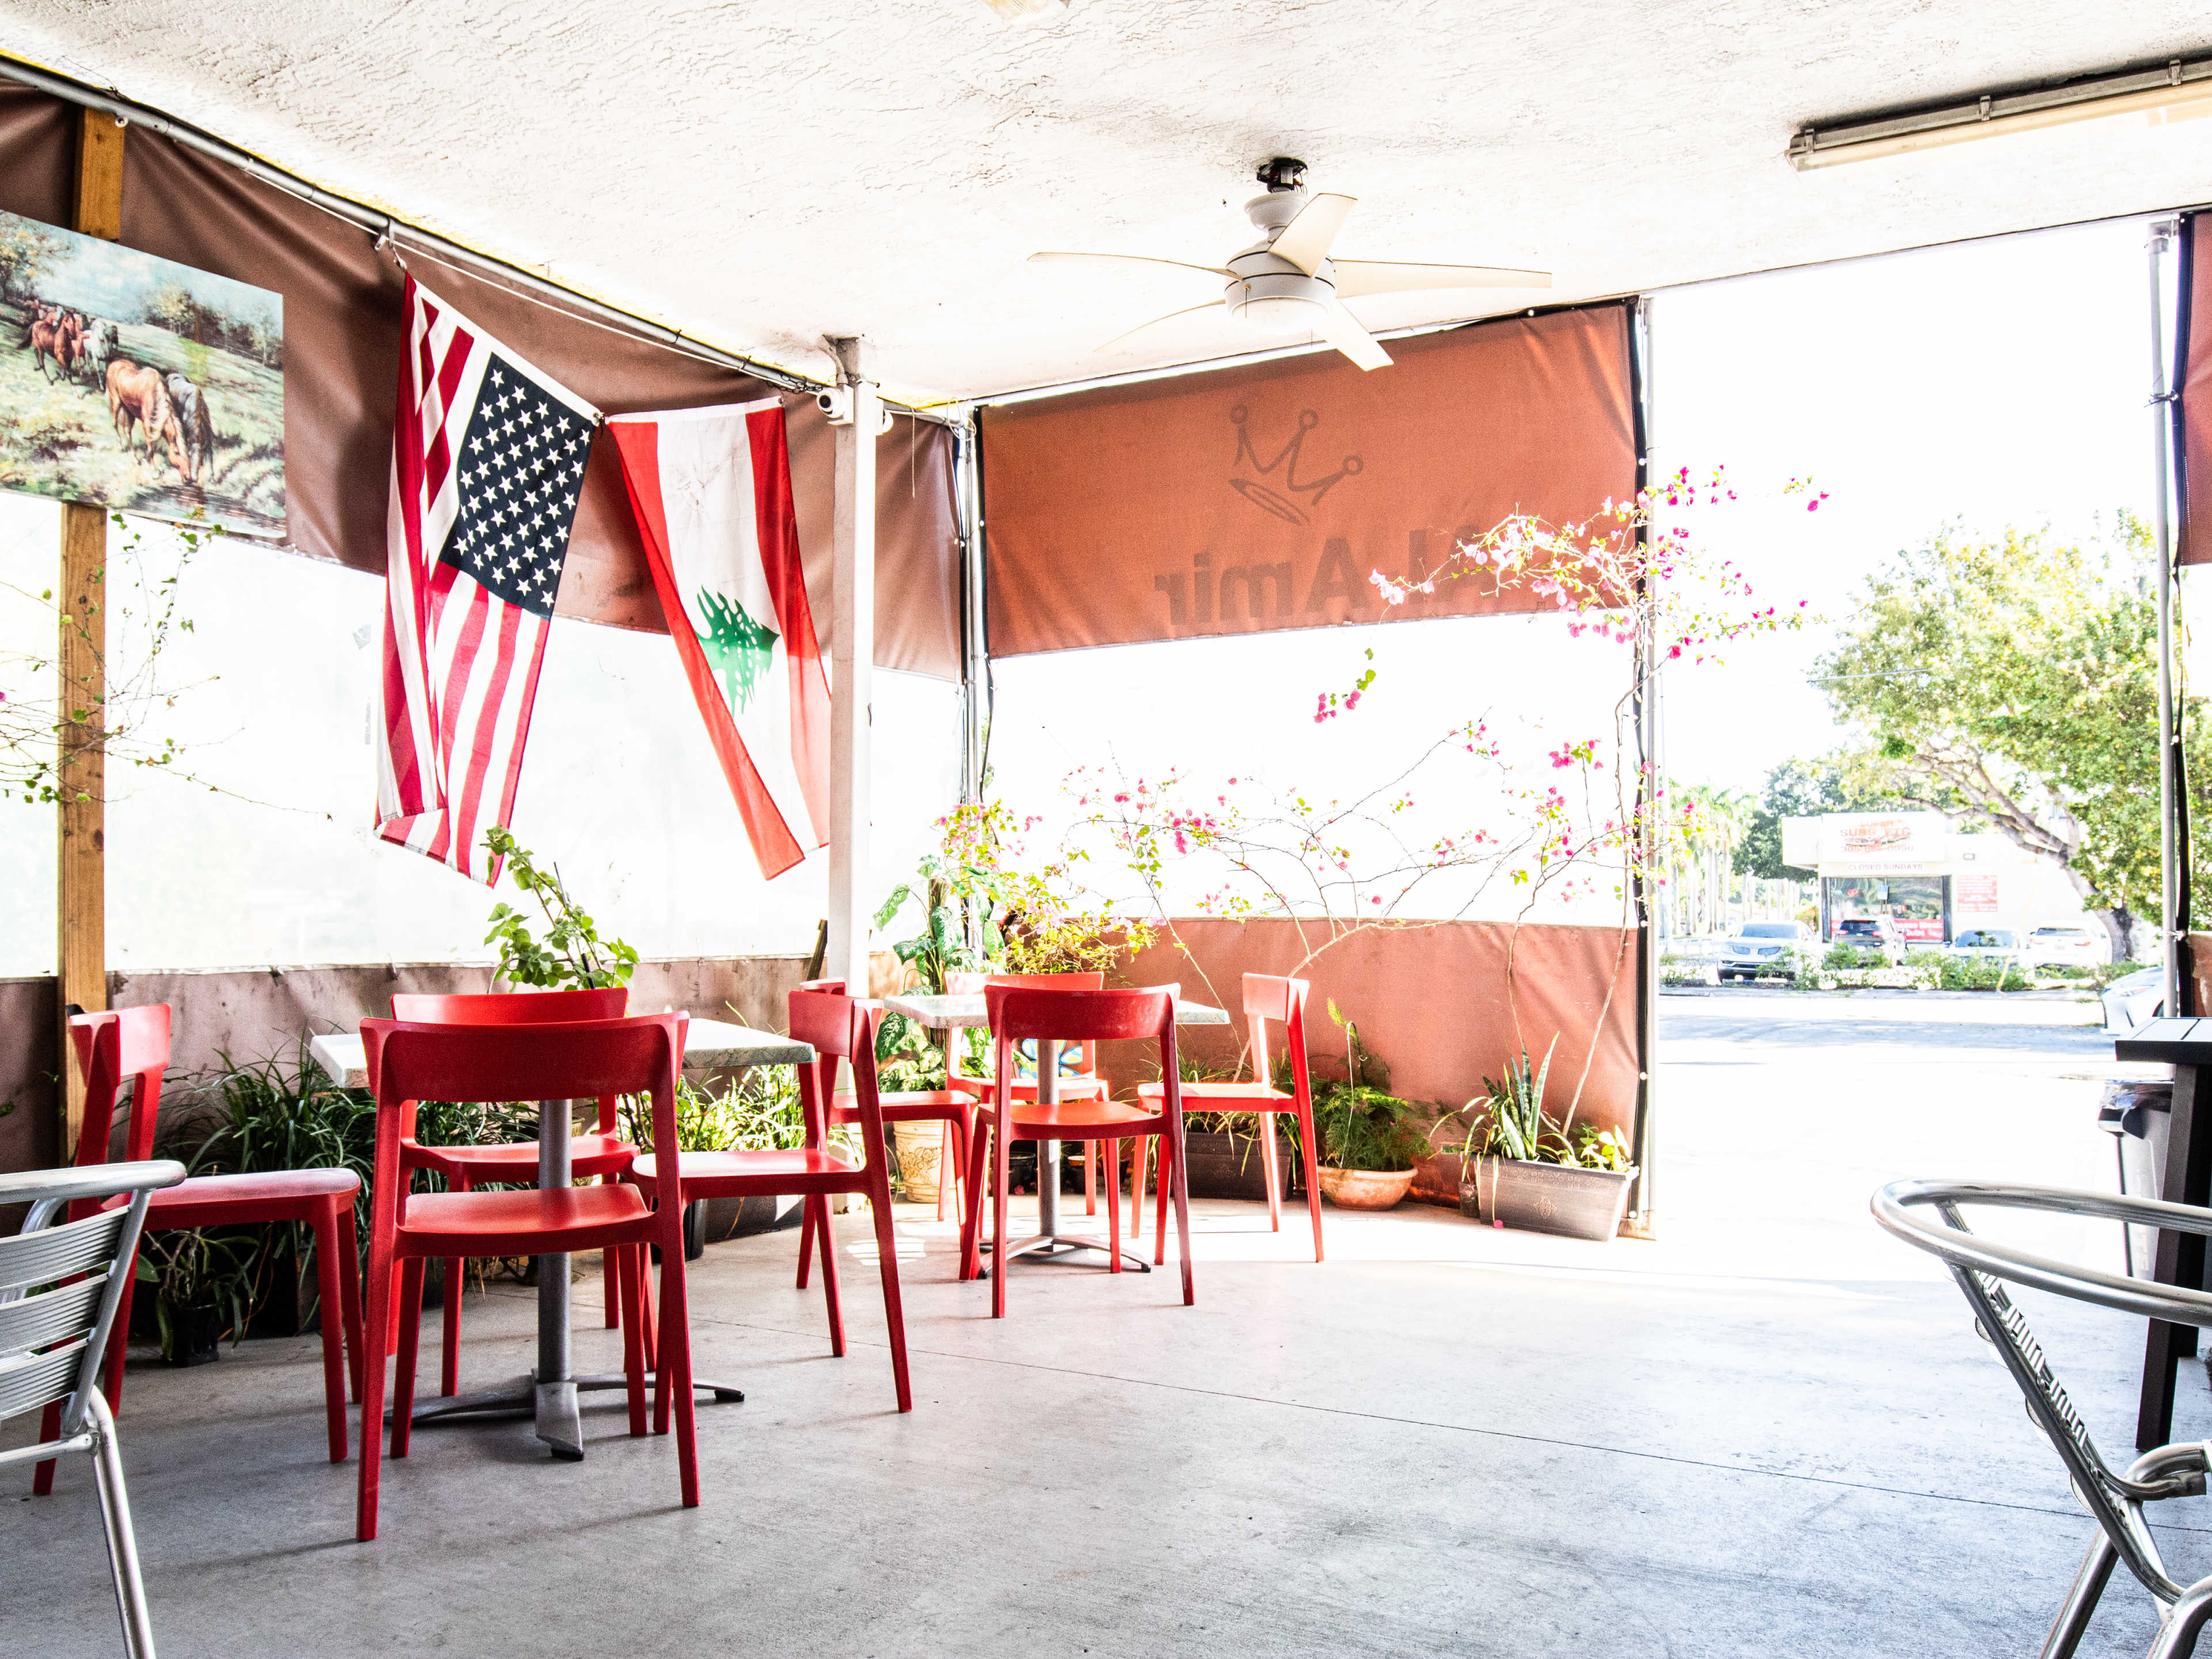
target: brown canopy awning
1263 497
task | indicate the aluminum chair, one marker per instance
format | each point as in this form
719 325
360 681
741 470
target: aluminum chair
2115 1500
59 1288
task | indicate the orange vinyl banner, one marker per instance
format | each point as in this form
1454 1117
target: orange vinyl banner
2192 405
1246 500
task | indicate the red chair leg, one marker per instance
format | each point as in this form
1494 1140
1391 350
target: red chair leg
1113 1201
1270 1166
610 1294
944 1168
1312 1174
1001 1178
333 1321
1181 1180
675 1364
50 1428
410 1343
879 1201
971 1222
379 1319
626 1260
1091 1177
1139 1156
350 1292
806 1234
1162 1180
449 1329
831 1291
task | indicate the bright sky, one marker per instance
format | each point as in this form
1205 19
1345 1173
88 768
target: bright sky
1988 383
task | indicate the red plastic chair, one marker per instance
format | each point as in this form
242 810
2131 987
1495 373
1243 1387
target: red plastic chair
1284 1001
409 1062
1020 1014
955 1108
602 1151
134 1042
840 1028
1079 1076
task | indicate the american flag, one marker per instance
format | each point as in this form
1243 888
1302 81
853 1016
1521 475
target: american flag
487 462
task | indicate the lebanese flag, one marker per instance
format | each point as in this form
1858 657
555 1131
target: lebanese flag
712 490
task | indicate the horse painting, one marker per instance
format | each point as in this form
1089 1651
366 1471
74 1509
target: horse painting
139 397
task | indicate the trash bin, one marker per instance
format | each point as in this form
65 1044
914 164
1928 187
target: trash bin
2137 1114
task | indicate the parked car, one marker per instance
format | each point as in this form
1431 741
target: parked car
1872 933
2069 946
1986 942
2131 1000
1755 948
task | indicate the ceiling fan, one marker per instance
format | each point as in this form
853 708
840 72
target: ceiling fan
1286 283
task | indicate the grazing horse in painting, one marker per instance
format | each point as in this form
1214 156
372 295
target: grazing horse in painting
55 334
195 427
97 345
139 397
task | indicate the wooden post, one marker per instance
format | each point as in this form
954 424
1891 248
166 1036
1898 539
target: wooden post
81 899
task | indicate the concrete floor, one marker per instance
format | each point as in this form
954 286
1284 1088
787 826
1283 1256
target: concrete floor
1772 1431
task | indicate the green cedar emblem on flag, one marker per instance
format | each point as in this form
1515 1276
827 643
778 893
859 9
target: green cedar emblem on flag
739 648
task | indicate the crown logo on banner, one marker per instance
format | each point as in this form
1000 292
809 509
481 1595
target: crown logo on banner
1278 489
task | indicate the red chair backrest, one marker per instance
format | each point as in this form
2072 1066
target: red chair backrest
110 1048
511 1008
1020 1013
839 1028
414 1061
1079 1058
1284 1000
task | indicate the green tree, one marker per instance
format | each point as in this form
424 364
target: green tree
2014 682
25 252
1804 788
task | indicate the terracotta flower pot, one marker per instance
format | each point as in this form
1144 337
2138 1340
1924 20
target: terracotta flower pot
1364 1189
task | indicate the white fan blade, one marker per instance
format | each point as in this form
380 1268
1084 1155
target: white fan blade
1122 260
1122 342
1304 241
1342 330
1357 276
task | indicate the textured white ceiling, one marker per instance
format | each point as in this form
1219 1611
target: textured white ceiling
761 175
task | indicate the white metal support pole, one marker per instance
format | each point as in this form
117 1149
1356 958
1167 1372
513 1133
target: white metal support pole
975 664
852 666
2162 425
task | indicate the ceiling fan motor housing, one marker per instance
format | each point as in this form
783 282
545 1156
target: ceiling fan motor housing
1264 289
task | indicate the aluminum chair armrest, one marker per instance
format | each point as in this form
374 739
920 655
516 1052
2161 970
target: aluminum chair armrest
1892 1204
89 1181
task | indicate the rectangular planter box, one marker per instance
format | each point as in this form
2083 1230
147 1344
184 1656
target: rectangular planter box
1436 1179
1231 1165
1548 1197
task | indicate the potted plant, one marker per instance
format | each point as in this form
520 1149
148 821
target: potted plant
1369 1138
1528 1172
200 1286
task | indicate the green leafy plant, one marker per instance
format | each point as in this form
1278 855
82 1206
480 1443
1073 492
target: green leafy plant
193 1270
571 953
1363 1128
1514 1124
757 1110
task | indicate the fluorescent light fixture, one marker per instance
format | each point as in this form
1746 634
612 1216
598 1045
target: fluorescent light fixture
2181 91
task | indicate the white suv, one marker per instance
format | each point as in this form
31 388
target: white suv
2075 946
1759 947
